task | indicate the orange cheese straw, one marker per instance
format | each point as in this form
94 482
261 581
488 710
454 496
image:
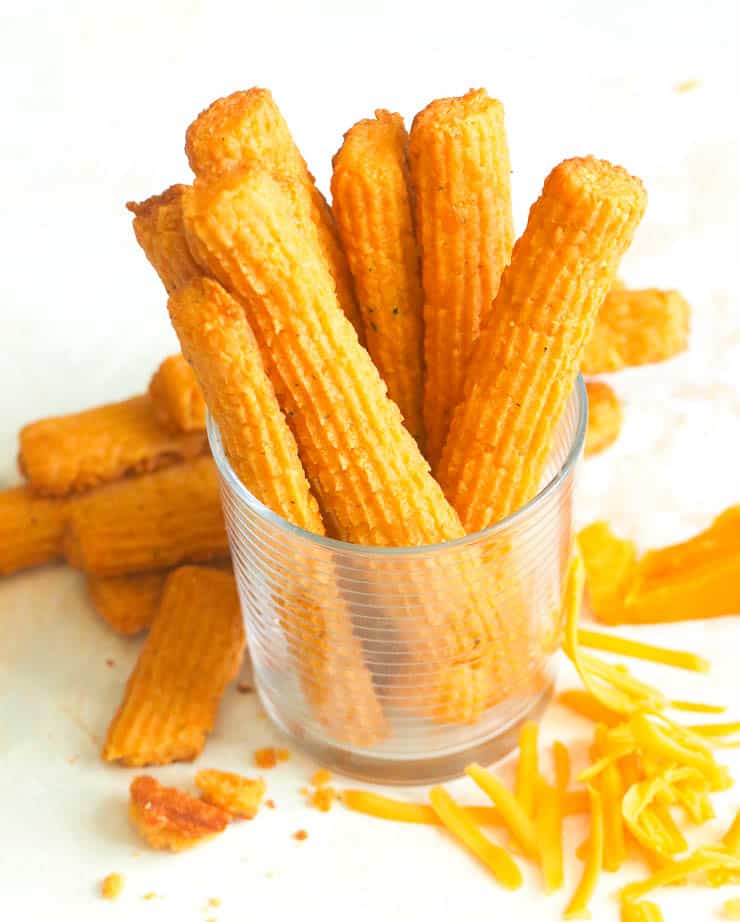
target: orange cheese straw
31 530
176 397
604 417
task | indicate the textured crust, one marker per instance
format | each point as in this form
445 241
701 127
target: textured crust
460 171
217 338
239 796
178 403
528 355
127 603
31 530
148 523
247 127
637 328
372 205
604 417
158 228
71 454
192 652
168 818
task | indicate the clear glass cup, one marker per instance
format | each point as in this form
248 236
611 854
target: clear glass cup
403 665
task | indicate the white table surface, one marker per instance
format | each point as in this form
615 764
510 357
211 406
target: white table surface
95 100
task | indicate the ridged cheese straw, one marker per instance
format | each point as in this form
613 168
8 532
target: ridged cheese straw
71 454
460 172
247 127
528 355
148 523
637 328
31 530
127 603
159 231
216 337
372 205
371 481
605 416
192 652
176 397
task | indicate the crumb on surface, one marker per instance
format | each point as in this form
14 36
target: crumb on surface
244 688
172 819
150 896
323 798
110 662
321 778
301 835
111 886
238 795
270 756
283 754
685 86
270 803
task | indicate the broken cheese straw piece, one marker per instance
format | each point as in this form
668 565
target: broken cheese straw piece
192 652
699 861
640 912
70 454
31 530
513 814
527 770
460 171
172 819
636 327
605 417
626 647
578 906
371 481
247 127
463 827
372 206
528 355
610 564
128 603
170 517
159 231
387 808
216 337
176 397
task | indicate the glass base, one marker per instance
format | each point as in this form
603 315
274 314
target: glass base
394 768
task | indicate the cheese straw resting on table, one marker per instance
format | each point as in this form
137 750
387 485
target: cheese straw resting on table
248 127
460 172
372 483
127 603
148 523
527 358
192 652
372 205
70 454
216 337
31 530
176 397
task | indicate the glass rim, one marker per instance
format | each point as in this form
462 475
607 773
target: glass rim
334 544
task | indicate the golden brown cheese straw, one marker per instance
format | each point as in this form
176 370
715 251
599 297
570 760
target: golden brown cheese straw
128 603
528 356
238 795
70 454
217 339
460 172
247 127
172 819
637 328
604 417
149 523
159 231
192 652
31 530
176 397
372 205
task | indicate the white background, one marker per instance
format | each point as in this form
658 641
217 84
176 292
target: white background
95 101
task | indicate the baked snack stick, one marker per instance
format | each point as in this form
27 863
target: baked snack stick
216 337
248 127
31 530
460 173
527 358
604 417
128 603
71 454
637 327
372 205
148 523
159 231
176 397
193 650
372 483
168 818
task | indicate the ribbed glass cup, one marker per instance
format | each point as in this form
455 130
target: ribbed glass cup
402 665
